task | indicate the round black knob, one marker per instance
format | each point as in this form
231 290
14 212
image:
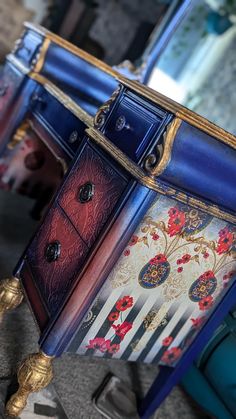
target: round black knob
52 251
86 192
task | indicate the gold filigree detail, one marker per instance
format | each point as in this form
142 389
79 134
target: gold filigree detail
156 318
102 112
34 374
137 345
174 287
38 61
151 164
10 295
19 135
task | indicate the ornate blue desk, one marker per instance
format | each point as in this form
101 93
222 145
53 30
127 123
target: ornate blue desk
135 258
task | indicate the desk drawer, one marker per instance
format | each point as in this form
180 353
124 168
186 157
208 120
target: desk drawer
132 126
56 255
67 130
91 193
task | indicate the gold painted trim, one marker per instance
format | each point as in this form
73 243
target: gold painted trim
42 54
180 111
19 135
63 98
152 183
169 137
73 49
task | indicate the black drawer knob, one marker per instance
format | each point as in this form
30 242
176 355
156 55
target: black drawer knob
86 192
121 123
52 251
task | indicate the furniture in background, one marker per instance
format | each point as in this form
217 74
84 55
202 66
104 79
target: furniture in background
139 260
211 378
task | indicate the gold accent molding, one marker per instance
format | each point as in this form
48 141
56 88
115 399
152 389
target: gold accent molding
152 183
19 135
10 295
39 62
180 111
63 98
34 374
102 112
169 137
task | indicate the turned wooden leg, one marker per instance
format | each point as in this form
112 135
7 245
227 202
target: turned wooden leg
10 295
34 374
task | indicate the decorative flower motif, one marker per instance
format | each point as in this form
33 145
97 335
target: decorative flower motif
122 329
112 349
113 316
99 344
206 303
206 275
171 355
124 303
198 321
127 252
160 258
225 241
133 240
167 341
179 261
180 269
186 258
206 255
176 221
155 236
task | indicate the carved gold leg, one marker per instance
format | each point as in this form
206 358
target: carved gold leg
10 295
34 374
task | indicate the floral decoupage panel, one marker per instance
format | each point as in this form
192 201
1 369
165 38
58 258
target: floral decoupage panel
170 276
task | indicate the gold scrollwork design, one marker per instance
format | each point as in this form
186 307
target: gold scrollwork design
10 295
102 112
151 163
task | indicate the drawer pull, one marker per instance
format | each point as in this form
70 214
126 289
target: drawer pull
121 123
86 192
52 251
73 137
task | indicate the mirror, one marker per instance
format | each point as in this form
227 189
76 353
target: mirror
197 67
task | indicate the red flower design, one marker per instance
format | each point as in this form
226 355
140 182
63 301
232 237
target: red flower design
179 261
171 355
122 329
155 236
198 321
186 258
206 255
206 303
176 221
133 240
124 303
99 343
113 316
167 341
158 259
180 269
127 252
225 241
112 349
207 275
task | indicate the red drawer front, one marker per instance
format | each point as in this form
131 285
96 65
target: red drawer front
107 184
54 278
